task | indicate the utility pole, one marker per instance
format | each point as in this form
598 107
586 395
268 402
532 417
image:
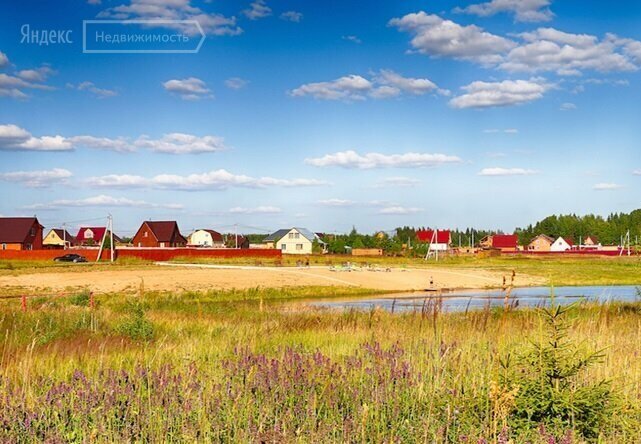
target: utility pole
111 236
236 230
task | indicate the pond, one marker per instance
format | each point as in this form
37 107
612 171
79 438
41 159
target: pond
479 299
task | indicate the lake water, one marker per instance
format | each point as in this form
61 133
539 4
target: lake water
479 299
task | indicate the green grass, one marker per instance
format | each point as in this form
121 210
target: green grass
247 365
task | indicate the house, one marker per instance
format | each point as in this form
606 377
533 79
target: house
439 241
206 238
541 242
92 236
159 234
562 244
58 238
503 242
591 243
294 240
20 233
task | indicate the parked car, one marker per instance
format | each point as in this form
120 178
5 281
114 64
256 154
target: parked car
75 258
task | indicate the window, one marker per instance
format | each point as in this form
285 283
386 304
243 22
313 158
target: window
4 246
296 235
28 247
145 234
162 245
291 235
283 247
299 246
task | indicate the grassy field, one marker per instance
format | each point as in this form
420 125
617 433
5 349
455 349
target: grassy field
248 366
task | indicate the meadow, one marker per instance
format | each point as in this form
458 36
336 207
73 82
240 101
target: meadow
257 366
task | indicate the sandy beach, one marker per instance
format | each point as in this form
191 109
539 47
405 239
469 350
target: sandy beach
174 277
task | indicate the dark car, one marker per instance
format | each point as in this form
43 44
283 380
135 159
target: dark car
75 258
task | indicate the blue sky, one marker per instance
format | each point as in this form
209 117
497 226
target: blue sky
325 114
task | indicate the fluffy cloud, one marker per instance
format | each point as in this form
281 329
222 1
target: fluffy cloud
548 49
213 24
14 138
605 186
101 201
213 180
545 49
523 10
191 88
398 181
567 106
292 16
257 210
383 85
336 202
399 210
352 38
508 92
4 60
14 85
352 159
236 83
497 172
258 10
637 172
92 88
38 179
438 37
179 143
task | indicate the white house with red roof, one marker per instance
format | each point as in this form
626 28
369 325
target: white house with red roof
562 244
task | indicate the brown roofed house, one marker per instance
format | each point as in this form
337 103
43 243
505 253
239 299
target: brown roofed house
542 242
20 233
159 234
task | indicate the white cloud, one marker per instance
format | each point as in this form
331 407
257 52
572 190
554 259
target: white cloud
14 138
438 37
497 172
336 202
14 86
351 159
604 186
38 179
385 84
398 181
258 10
4 60
180 143
352 38
92 88
399 210
548 49
100 201
256 210
213 180
523 10
637 172
292 16
505 131
191 88
236 83
213 24
508 92
567 106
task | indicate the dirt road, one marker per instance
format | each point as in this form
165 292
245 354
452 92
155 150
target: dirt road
174 277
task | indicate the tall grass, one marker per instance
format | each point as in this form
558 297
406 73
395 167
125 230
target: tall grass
247 366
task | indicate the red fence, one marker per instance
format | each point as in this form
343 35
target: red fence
153 254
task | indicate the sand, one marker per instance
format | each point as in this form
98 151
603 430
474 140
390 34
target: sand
174 277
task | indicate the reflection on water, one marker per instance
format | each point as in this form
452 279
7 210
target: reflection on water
478 299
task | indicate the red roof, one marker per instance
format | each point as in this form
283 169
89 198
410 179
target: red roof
215 235
442 236
90 233
164 230
569 241
15 230
505 241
